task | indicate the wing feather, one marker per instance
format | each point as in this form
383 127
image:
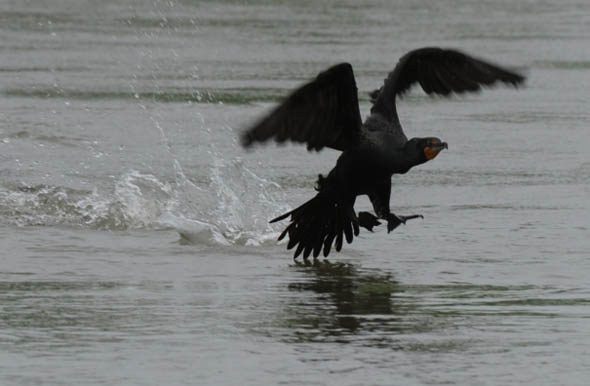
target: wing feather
321 113
438 71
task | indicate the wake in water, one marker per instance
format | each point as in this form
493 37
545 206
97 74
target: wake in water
234 209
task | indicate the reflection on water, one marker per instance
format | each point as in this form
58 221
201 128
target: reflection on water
346 303
339 301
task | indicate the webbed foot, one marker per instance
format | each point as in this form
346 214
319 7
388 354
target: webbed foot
393 220
368 220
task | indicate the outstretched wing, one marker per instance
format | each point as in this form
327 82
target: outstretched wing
321 113
438 71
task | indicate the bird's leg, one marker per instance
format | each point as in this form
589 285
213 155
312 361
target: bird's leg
393 220
379 197
368 220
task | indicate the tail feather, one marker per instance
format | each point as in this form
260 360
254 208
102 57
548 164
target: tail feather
284 215
330 238
317 224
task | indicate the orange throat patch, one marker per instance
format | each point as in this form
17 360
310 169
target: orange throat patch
430 153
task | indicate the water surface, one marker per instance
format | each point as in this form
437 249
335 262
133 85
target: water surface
135 243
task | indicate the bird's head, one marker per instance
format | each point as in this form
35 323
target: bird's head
429 147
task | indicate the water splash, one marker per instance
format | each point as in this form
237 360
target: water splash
137 201
233 208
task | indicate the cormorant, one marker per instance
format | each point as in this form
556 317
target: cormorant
325 113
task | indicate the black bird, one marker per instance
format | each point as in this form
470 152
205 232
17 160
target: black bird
325 113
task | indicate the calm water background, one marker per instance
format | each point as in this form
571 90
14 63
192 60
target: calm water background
135 248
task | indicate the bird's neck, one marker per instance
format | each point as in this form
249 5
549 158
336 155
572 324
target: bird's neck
412 157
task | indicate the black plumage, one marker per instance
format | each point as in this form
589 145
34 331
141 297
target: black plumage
325 113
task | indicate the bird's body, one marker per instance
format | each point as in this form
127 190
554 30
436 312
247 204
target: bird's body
325 113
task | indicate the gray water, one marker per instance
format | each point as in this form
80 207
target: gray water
135 248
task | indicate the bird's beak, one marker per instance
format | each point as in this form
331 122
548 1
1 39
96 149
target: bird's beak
432 151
